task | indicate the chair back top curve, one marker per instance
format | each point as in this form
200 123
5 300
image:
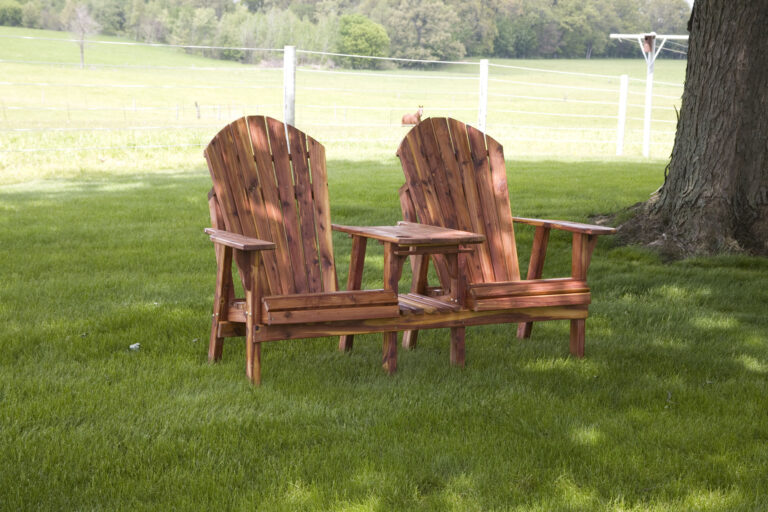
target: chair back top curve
270 182
455 177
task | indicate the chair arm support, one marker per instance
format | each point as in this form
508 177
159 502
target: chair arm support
240 242
574 227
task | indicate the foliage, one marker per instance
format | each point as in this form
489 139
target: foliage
425 29
429 29
358 35
10 13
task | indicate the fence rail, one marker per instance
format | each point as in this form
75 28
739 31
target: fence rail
525 104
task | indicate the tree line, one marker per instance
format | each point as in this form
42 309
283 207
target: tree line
414 29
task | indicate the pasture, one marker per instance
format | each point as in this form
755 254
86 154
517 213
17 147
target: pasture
103 248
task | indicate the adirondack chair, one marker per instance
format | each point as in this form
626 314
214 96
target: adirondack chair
456 178
270 213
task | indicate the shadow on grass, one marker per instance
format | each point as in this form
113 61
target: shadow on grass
666 412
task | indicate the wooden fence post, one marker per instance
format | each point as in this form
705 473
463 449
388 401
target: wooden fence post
289 85
482 107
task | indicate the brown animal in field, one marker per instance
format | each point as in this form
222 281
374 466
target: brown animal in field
413 119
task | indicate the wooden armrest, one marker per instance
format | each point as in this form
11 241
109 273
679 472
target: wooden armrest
240 242
574 227
411 233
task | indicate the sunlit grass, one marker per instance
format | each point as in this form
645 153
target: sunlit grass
667 412
102 249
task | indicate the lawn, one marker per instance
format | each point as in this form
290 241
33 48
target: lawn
667 412
103 250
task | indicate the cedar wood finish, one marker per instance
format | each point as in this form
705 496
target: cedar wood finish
456 178
270 216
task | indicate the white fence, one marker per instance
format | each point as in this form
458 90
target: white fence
54 106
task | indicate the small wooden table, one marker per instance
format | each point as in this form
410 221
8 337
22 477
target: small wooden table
408 239
418 241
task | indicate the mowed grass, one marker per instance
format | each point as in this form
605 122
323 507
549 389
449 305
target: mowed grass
666 412
103 248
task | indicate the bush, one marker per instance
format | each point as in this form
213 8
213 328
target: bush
359 35
10 13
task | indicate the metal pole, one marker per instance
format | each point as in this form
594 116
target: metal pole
482 107
650 57
624 86
289 85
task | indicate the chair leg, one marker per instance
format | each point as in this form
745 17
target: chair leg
221 297
457 346
389 352
354 280
524 329
419 268
216 344
409 339
578 328
253 359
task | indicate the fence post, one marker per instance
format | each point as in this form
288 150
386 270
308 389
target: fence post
650 57
622 115
482 106
289 85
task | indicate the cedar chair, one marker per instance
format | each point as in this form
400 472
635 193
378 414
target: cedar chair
270 213
455 178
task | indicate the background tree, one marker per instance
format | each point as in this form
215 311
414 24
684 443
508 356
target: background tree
82 25
359 35
715 197
424 29
10 13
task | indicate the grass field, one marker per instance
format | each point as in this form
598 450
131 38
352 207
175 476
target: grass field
142 107
99 251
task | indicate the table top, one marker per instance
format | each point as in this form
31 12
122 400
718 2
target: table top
410 233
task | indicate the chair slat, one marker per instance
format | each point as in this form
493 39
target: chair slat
475 206
260 140
322 214
488 199
504 209
258 223
419 180
437 178
305 207
218 162
466 220
287 195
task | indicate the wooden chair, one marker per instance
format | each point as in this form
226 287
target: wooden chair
456 178
270 214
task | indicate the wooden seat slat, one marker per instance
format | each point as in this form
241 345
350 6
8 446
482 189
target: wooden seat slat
528 301
527 287
321 315
340 299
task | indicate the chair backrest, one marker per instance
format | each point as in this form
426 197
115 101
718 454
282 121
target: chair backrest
455 178
265 190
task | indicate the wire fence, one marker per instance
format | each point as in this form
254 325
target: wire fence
49 106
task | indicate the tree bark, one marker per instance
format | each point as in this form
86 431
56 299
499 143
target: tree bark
715 196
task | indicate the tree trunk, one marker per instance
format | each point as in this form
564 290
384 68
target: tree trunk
715 196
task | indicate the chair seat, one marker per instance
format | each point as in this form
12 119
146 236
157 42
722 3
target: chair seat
329 306
527 294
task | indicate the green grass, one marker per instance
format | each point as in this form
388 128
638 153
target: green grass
667 412
102 249
141 107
